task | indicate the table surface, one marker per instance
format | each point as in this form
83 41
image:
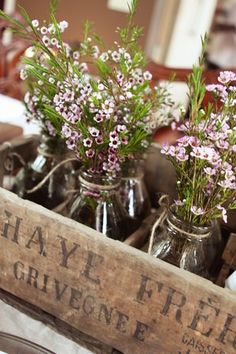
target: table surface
15 322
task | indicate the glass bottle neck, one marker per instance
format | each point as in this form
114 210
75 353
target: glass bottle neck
99 184
187 230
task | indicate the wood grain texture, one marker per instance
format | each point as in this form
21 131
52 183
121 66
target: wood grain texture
109 290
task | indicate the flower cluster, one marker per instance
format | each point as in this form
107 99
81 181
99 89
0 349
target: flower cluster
204 157
50 63
106 117
109 118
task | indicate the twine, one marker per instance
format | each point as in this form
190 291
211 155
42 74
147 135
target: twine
98 186
44 180
162 217
187 233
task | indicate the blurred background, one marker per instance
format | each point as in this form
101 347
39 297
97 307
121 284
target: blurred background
172 28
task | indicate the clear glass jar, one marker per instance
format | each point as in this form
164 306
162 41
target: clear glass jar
54 191
133 192
98 205
183 244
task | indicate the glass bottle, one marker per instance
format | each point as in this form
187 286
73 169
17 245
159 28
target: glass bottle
183 244
51 151
98 206
133 192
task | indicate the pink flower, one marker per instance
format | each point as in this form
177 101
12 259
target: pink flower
87 142
66 131
104 56
210 171
46 41
222 144
165 149
101 87
83 67
113 135
98 118
114 143
90 153
99 140
70 143
124 140
226 76
35 23
147 75
183 141
115 56
63 25
181 154
197 211
121 128
94 131
112 159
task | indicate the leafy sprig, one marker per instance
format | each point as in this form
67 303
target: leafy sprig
205 157
105 118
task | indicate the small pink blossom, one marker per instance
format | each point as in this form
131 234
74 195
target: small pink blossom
197 211
121 128
70 144
114 143
99 140
44 30
94 131
226 76
98 118
116 56
104 57
66 131
101 87
90 153
87 142
147 75
35 23
181 154
210 171
63 25
46 41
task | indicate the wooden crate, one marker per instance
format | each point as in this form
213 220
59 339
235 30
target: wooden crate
106 289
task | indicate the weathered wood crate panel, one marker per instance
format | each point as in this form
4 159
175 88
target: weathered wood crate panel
107 289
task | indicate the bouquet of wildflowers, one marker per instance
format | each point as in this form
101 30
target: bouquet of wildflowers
105 118
110 117
50 62
204 158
